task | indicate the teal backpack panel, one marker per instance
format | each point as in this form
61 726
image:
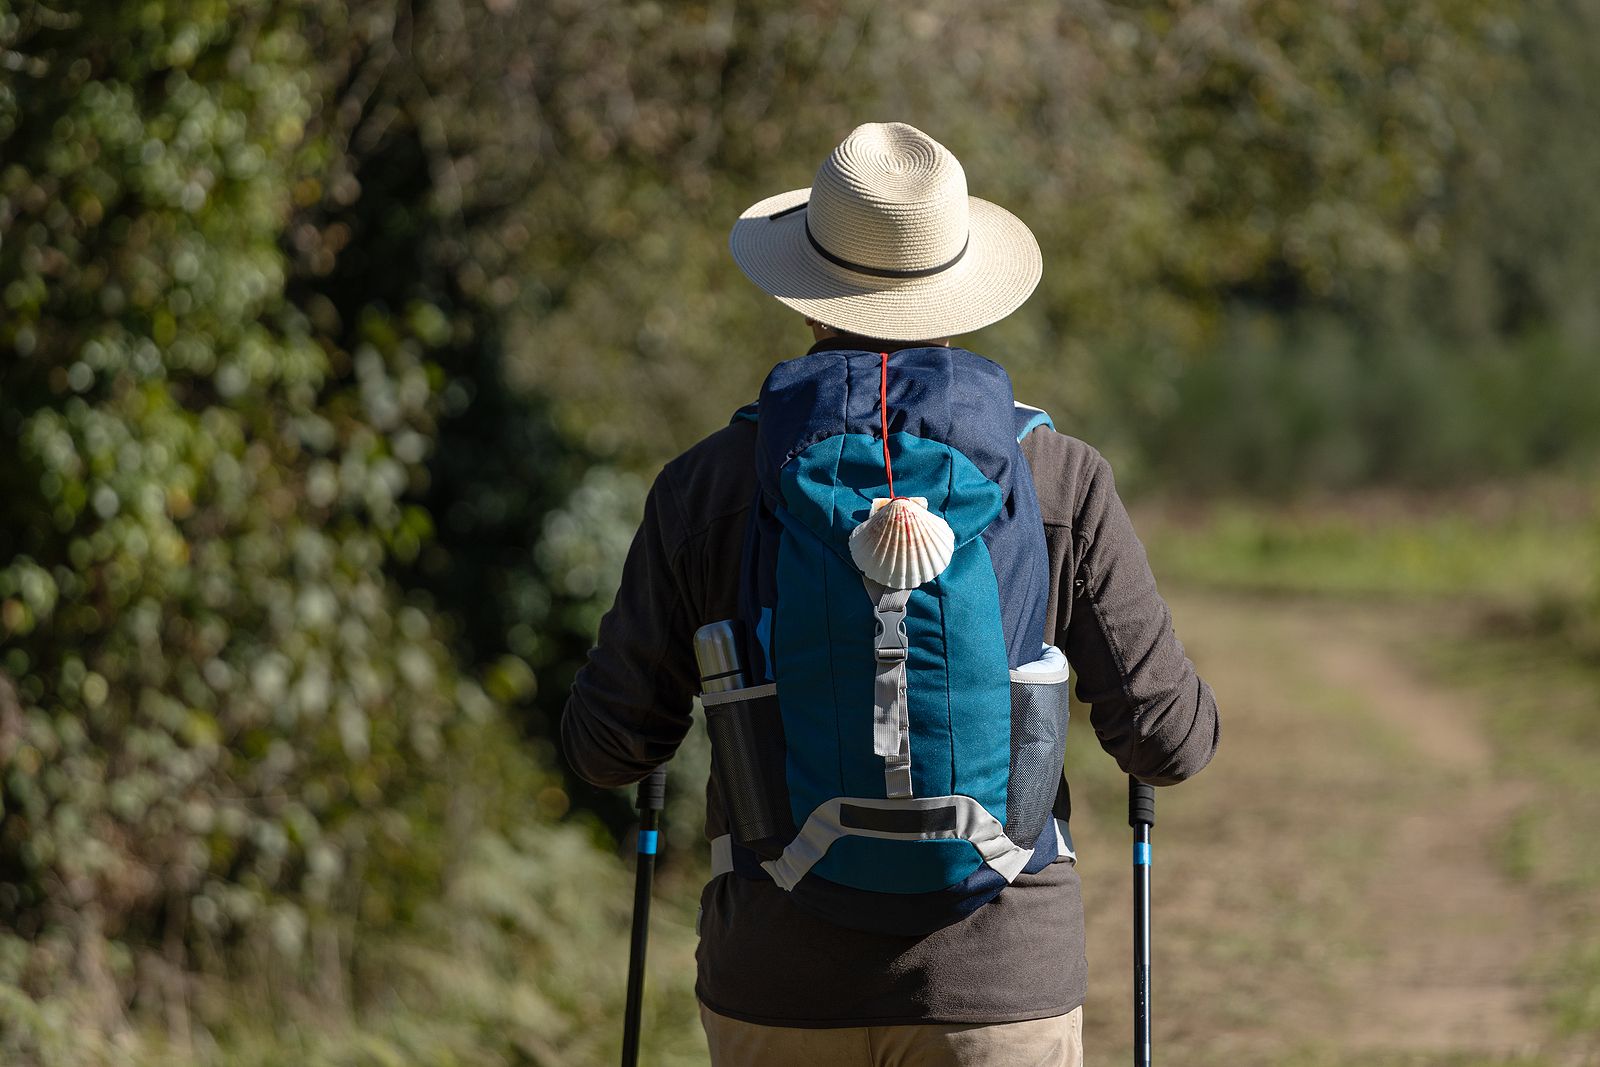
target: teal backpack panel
817 642
898 866
960 690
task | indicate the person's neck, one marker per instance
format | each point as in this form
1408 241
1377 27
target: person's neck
828 338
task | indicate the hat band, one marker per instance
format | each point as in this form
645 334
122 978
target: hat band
861 268
883 272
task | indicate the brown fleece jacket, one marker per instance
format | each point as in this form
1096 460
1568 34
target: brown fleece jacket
763 959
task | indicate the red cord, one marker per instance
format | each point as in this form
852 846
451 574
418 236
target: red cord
883 408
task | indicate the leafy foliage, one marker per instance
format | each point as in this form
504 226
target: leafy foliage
230 742
1173 160
215 689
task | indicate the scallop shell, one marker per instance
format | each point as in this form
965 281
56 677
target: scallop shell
902 544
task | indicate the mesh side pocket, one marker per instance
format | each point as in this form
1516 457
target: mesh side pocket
1039 708
747 759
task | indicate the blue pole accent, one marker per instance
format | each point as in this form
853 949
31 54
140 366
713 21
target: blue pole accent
1141 853
647 842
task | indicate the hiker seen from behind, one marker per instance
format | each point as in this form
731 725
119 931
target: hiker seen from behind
891 570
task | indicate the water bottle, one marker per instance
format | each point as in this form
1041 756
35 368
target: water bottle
746 742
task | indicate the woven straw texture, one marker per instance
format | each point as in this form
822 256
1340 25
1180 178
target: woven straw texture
889 198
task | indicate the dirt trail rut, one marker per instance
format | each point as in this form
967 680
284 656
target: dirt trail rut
1328 890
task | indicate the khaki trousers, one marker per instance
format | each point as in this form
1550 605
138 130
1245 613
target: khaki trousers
1056 1042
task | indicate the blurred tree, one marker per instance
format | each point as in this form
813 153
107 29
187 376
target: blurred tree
224 729
520 542
1173 159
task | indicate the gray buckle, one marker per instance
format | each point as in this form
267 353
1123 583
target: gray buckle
891 640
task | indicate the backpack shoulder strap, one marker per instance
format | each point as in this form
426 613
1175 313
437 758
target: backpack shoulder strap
1028 419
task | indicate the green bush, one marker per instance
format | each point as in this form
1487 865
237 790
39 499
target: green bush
1290 406
231 745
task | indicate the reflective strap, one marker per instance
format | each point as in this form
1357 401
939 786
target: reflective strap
722 847
722 855
1063 841
971 823
891 715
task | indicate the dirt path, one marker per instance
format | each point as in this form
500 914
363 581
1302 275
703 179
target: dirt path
1328 891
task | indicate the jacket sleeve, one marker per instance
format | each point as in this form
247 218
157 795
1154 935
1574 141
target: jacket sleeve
1148 706
632 703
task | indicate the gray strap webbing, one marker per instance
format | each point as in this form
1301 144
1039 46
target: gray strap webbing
722 849
971 823
727 696
891 717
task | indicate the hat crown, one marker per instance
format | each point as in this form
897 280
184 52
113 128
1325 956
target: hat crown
890 198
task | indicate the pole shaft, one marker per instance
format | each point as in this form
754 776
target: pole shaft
651 799
1141 946
1141 816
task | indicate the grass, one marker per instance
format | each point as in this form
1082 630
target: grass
1545 724
1518 572
1509 548
523 962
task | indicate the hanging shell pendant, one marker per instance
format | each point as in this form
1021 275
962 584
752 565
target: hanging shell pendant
902 544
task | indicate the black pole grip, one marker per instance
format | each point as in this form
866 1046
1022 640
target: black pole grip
1141 803
653 790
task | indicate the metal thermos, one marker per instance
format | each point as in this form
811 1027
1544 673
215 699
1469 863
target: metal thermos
716 647
746 741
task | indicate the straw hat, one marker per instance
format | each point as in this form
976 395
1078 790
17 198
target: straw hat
887 243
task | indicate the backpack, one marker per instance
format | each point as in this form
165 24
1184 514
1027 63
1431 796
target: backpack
893 749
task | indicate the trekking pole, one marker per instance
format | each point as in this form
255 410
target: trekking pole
1141 816
652 798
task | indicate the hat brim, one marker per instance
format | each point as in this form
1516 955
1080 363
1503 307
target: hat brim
997 273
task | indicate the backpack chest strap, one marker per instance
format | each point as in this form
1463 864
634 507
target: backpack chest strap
891 715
